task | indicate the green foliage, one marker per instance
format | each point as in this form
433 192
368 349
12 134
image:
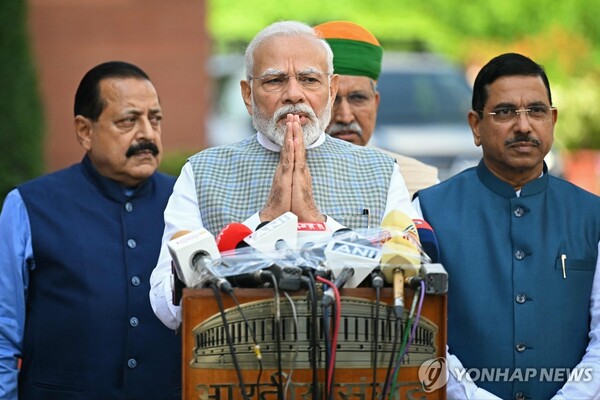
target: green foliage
20 108
563 36
173 161
578 124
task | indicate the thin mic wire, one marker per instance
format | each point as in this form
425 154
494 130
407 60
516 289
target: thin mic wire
337 315
230 341
295 353
257 351
278 337
376 339
420 294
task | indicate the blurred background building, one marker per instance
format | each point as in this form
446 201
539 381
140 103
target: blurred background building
170 43
192 50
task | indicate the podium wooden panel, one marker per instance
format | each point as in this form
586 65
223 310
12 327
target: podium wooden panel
209 374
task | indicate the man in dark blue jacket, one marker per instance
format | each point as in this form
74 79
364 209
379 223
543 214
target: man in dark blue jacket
521 250
78 247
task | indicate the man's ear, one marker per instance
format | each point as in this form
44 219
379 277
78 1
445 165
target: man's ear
83 130
246 88
333 86
474 121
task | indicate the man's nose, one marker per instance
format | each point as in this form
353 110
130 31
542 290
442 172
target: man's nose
522 121
293 91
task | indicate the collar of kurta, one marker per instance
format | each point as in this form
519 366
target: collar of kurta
503 189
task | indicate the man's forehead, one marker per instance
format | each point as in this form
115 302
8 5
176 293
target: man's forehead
290 54
517 88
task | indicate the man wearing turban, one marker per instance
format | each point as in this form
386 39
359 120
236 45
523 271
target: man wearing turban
357 59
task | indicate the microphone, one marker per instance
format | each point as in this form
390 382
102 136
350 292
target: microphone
340 280
232 236
400 224
401 255
312 232
363 257
428 240
288 277
282 231
193 254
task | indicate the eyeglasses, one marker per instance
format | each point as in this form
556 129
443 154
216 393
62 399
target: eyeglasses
357 99
276 82
535 113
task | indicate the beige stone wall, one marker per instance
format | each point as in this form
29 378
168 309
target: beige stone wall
167 39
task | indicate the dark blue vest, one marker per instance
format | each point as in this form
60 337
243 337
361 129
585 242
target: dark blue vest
509 306
90 332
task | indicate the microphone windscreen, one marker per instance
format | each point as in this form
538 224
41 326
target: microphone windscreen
398 223
400 253
429 241
232 236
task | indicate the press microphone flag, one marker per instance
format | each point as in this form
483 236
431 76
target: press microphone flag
192 253
281 232
362 258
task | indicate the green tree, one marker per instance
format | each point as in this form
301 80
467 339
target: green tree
21 122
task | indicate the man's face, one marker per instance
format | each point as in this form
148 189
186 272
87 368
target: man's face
124 143
516 147
270 95
354 111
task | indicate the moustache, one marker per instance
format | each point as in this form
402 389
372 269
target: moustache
339 127
295 109
523 139
137 148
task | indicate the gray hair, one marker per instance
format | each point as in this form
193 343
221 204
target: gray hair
284 28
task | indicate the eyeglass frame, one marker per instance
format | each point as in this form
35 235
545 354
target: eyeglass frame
517 112
287 77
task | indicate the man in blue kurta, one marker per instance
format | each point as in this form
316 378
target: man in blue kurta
521 250
78 247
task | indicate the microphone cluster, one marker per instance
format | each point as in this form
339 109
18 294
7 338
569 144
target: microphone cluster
402 250
289 256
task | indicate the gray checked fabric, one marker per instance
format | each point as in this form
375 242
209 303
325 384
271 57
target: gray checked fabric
233 182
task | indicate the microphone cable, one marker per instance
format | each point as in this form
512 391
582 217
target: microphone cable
420 294
337 313
229 340
397 334
295 353
314 334
280 394
327 343
377 283
257 351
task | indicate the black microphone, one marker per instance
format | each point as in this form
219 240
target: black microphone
288 278
339 282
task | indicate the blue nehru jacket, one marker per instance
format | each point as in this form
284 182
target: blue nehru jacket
90 332
509 306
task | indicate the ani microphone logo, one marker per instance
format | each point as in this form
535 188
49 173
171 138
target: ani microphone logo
432 374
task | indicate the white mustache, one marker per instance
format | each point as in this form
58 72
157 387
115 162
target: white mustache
340 127
295 109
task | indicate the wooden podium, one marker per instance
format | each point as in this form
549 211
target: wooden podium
208 371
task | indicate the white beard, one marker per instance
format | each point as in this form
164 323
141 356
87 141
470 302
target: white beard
276 132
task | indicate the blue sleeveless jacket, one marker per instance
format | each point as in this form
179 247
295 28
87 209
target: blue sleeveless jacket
90 332
509 306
